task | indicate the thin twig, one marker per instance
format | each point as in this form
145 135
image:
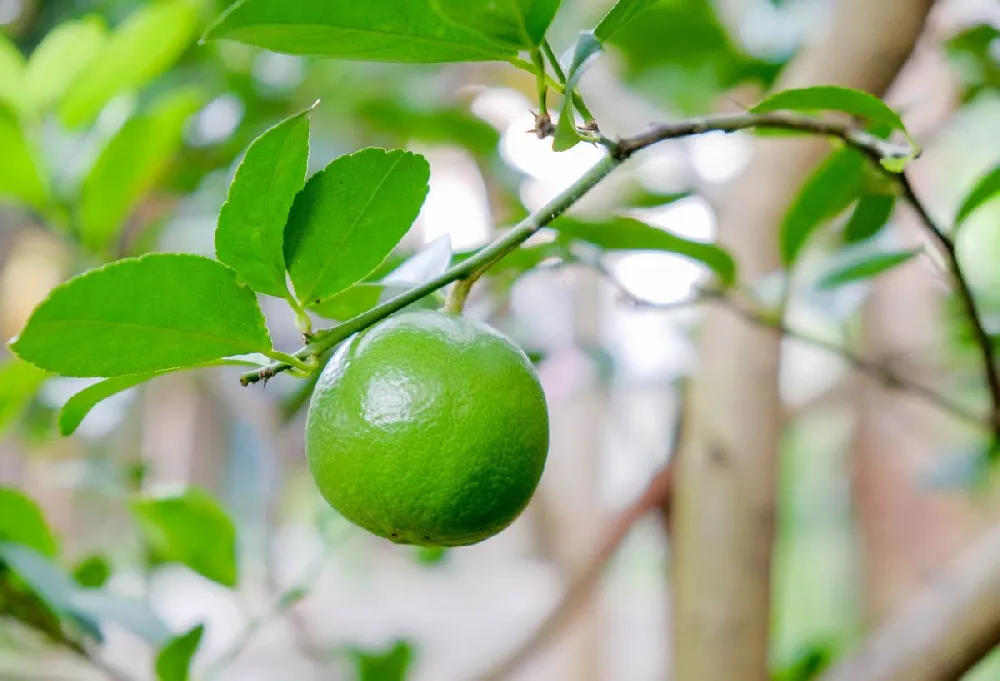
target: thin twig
98 663
85 654
281 605
656 496
870 367
871 145
965 295
582 586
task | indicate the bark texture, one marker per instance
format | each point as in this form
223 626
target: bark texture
724 513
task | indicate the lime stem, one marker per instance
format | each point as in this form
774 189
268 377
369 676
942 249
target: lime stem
459 293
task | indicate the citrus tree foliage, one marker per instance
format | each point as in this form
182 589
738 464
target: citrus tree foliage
322 231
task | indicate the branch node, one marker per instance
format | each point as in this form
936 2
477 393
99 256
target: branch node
543 125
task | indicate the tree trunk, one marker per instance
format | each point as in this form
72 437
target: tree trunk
725 500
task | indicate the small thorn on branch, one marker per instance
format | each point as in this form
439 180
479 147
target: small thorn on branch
544 127
263 376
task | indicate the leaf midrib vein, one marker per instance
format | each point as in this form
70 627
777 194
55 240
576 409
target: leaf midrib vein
501 53
336 250
243 343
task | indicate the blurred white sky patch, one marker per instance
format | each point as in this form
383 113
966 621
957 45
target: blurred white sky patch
767 31
500 106
649 345
663 278
102 419
662 168
691 218
808 372
535 157
278 71
457 204
649 342
719 157
217 121
658 278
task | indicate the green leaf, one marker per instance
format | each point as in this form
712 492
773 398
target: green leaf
832 98
644 198
251 227
92 572
130 166
520 260
12 67
972 54
433 124
348 304
807 663
586 47
349 217
77 407
621 14
630 234
141 315
869 217
192 529
519 24
868 267
20 176
43 577
376 30
173 663
82 403
22 522
133 615
62 57
986 189
43 593
19 381
681 55
827 192
897 160
145 45
87 608
525 258
389 665
426 265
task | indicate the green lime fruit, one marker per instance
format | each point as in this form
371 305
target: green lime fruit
429 428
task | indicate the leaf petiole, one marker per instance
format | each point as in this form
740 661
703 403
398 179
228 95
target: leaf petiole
302 321
561 77
306 367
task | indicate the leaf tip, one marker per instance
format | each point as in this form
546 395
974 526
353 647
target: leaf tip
67 426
